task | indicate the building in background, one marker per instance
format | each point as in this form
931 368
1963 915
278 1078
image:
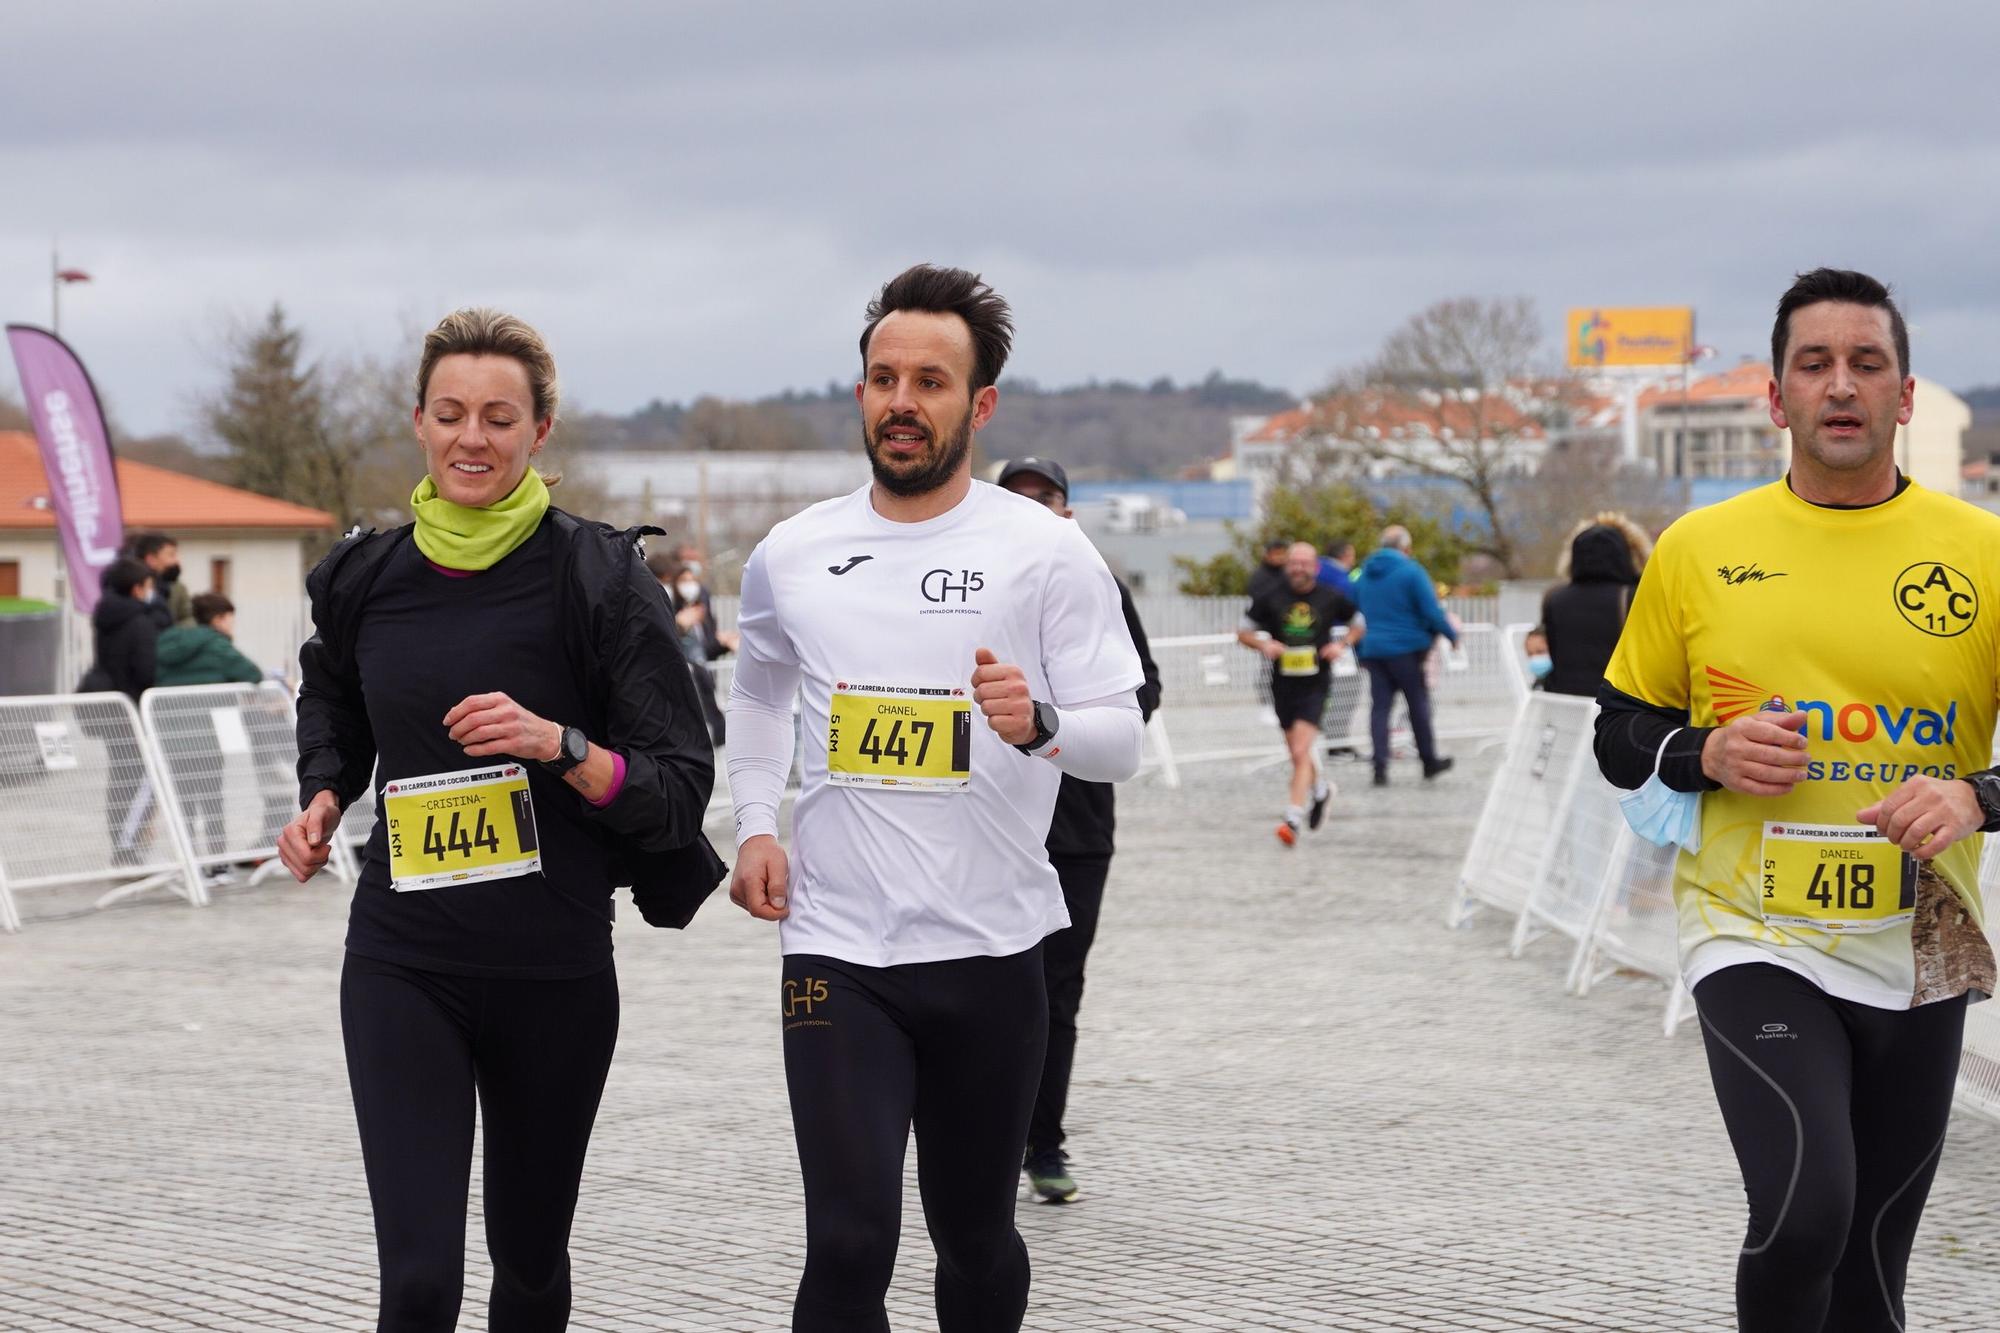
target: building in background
721 501
252 549
1721 429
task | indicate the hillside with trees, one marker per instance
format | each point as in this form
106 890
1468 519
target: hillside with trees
1113 429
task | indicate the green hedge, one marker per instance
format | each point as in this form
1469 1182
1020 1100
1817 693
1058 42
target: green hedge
24 606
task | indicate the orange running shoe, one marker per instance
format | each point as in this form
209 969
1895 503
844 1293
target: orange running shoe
1288 833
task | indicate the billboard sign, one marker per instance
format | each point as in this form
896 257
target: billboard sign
1602 336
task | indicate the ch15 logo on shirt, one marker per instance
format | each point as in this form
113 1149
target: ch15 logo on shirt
941 585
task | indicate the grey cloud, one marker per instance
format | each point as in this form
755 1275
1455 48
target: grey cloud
699 197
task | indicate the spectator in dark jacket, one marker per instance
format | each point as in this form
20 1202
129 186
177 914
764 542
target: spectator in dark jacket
1080 844
125 631
1269 575
1582 618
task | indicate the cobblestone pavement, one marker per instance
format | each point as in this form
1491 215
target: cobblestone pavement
1301 1103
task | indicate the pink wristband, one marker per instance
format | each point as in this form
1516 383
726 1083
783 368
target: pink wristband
617 781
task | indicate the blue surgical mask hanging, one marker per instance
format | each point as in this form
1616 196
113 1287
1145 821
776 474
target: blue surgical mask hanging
1661 815
1540 664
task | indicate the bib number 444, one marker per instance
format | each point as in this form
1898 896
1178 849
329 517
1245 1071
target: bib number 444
440 841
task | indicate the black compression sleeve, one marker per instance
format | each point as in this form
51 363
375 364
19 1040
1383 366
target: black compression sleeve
1629 732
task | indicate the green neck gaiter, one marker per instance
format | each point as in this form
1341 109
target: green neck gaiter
461 538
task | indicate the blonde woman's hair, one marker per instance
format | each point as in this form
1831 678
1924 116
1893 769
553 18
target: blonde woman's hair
482 331
1636 539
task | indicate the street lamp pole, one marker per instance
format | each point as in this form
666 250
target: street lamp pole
58 275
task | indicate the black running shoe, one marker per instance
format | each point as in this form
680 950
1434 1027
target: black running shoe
1048 1176
1432 770
1318 811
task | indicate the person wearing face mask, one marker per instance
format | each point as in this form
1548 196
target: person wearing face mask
1535 648
718 643
694 623
509 675
1581 618
1804 699
161 555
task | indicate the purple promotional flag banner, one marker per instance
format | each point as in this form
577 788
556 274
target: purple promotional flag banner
76 455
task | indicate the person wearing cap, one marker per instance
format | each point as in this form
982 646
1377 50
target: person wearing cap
1269 577
1080 848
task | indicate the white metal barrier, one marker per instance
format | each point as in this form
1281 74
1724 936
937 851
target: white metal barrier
1979 1062
79 802
229 754
1564 898
1635 925
1215 698
1521 824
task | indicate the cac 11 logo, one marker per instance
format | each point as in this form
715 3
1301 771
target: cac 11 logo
1937 599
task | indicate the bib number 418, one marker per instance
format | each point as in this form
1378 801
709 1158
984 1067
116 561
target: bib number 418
1843 887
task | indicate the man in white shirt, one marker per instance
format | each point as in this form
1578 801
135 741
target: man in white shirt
912 923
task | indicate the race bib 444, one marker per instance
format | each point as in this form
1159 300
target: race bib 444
458 828
899 738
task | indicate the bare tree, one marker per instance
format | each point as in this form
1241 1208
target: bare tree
1457 394
278 424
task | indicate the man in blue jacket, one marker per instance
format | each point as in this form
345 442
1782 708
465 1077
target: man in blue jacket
1401 610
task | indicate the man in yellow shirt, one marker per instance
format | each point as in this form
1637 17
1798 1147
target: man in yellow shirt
1814 663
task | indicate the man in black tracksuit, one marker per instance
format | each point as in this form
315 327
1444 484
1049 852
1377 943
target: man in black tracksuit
1080 847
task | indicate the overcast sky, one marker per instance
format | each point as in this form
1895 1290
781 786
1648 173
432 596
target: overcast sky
699 198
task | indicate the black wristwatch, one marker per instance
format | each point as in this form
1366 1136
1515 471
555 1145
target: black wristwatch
1986 786
573 750
1046 723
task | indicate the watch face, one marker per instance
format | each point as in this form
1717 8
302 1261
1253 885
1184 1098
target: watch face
576 747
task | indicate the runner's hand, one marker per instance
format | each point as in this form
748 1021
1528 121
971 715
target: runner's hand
306 842
1926 815
1001 690
762 879
1759 754
1331 651
1271 648
487 724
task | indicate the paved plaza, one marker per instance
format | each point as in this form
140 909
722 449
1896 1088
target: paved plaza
1301 1103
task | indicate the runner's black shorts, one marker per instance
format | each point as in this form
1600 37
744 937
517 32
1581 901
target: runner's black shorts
1299 699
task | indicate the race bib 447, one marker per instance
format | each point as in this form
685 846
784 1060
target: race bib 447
458 828
899 738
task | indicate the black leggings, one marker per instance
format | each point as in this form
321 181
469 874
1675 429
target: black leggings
1837 1112
418 1046
954 1047
1063 956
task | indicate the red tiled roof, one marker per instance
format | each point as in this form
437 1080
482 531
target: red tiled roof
152 496
1343 413
1281 426
1751 380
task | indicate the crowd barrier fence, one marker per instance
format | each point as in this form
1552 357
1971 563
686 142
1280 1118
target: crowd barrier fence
229 754
1552 849
1979 1061
80 790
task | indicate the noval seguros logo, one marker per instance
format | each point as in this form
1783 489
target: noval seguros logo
1849 723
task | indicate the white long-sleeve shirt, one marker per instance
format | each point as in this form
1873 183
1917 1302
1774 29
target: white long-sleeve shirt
918 834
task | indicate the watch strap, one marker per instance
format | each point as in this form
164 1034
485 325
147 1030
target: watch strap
1986 787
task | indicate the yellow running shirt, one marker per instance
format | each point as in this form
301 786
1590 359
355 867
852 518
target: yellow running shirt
1883 626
